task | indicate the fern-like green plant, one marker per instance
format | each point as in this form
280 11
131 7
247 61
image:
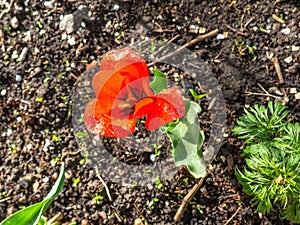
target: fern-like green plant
272 155
261 123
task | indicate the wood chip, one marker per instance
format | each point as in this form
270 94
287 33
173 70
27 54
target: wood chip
293 90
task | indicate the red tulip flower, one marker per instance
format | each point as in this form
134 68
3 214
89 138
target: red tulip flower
123 94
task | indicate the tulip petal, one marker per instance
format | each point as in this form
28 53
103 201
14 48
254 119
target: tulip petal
98 122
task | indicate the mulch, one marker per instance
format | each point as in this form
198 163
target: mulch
36 130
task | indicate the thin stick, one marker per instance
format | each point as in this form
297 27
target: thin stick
190 43
236 31
104 184
186 200
260 94
236 212
278 70
4 199
164 46
262 88
249 21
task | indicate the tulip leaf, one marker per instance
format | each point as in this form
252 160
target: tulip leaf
31 215
187 139
159 82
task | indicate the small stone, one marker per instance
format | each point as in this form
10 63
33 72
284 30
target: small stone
45 179
19 119
18 78
220 36
46 145
286 31
3 92
288 59
116 7
297 96
35 186
71 22
49 4
293 90
15 54
27 36
14 22
295 48
24 184
71 41
152 157
9 132
150 186
202 30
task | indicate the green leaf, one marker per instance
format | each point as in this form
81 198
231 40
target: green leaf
187 139
31 215
160 81
195 95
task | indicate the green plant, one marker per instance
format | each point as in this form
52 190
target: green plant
272 152
33 215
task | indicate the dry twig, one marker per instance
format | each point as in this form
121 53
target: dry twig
236 31
236 212
192 42
278 69
104 184
4 199
186 200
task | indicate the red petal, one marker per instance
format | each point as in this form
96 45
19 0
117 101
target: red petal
123 78
98 122
169 107
143 107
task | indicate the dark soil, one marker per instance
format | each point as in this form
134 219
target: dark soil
36 101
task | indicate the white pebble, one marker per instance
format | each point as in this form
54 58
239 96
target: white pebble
293 90
3 92
220 37
45 179
295 48
116 7
14 22
152 157
288 59
18 78
46 145
48 4
29 146
19 119
286 31
71 41
64 36
9 132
